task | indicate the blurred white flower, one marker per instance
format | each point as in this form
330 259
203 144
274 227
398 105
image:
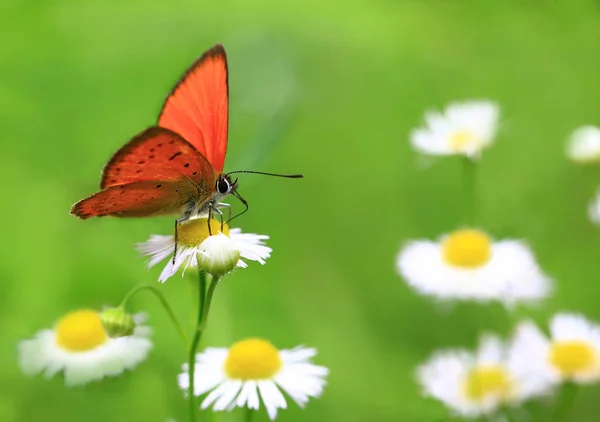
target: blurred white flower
80 346
583 145
464 128
253 370
468 265
571 354
476 384
217 253
594 209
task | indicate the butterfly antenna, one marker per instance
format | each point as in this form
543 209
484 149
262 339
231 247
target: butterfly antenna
289 176
243 201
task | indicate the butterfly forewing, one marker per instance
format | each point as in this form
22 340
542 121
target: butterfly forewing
157 154
198 107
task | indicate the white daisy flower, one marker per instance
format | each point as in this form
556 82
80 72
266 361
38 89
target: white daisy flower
464 128
253 370
594 209
583 145
79 346
217 253
571 354
468 265
476 384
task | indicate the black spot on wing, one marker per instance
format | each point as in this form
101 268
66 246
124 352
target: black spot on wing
177 154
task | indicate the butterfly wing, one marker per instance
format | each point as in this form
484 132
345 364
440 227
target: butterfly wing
157 154
139 199
198 107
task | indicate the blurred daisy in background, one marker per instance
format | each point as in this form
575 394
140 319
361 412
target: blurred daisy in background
583 146
572 353
468 265
216 252
594 209
464 128
81 347
253 370
476 384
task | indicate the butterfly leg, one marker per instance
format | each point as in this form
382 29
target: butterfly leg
210 210
175 249
228 206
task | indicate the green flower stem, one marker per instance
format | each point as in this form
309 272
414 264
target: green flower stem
163 301
248 415
470 190
204 299
566 399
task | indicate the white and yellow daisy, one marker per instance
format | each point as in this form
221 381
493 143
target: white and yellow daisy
583 146
572 353
468 265
217 254
252 370
476 384
594 209
81 347
464 128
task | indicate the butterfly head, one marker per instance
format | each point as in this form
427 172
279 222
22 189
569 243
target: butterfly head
224 185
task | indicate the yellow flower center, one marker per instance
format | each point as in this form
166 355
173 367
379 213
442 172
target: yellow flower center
467 248
571 357
483 381
193 232
252 359
80 331
462 140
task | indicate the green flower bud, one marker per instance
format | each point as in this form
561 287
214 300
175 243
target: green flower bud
218 255
117 322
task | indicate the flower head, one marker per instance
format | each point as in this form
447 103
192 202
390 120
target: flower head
476 384
80 346
468 264
572 353
464 128
217 252
253 370
583 145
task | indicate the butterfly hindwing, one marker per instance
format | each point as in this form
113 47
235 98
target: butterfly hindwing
157 154
138 199
198 107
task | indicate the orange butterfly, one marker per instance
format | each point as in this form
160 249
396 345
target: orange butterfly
176 166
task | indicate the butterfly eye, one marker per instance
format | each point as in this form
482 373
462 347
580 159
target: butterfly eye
223 186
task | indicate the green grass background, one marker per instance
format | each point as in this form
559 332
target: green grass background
330 89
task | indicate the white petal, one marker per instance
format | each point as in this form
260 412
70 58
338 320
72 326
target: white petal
491 350
216 394
253 398
244 395
271 397
528 362
229 396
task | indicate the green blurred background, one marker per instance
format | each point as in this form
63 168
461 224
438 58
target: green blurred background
330 89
